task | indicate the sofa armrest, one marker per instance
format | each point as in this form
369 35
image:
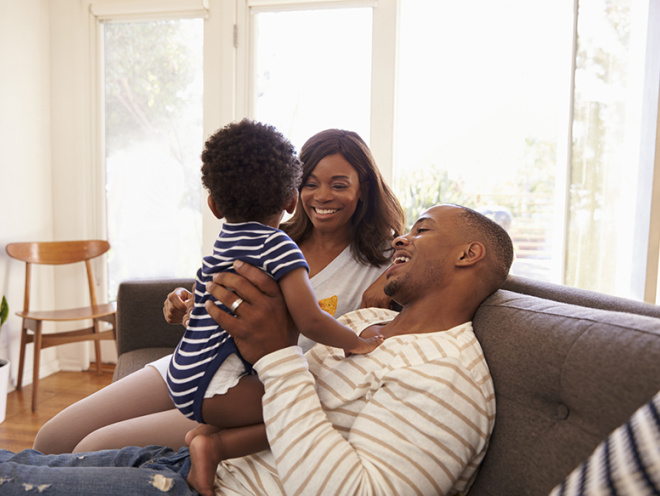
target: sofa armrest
140 321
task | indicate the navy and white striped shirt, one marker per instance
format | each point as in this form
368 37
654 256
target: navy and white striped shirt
626 463
205 345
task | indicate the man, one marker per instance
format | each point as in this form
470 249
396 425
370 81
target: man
412 417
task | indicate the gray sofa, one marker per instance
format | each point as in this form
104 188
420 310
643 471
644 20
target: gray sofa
568 365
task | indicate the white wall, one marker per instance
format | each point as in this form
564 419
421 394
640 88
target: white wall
48 110
26 198
47 164
74 162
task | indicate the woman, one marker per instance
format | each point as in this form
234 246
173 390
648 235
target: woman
346 218
344 224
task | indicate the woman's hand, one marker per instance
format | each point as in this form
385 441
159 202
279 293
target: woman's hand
375 296
261 323
177 307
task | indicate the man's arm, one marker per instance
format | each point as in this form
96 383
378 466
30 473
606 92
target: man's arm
261 324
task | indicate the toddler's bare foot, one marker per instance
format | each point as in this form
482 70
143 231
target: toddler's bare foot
206 451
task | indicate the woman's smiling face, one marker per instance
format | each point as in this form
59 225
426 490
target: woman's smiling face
330 194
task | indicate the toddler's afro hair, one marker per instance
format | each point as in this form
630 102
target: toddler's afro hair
250 170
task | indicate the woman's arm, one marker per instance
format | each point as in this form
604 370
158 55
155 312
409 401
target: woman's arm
374 295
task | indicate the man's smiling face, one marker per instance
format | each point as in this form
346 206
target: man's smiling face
423 257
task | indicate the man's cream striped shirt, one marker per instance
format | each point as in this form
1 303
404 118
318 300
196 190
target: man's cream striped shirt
412 417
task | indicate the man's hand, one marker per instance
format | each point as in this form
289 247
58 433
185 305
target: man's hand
177 307
261 323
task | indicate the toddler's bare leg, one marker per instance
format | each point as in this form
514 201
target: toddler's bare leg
201 430
239 406
207 450
239 414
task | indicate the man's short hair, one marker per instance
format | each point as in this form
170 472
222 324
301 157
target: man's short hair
497 241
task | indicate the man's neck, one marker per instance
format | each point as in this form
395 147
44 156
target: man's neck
425 316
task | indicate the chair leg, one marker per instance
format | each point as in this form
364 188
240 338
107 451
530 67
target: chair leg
35 370
21 359
113 322
97 348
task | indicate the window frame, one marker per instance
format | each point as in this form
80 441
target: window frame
383 75
227 66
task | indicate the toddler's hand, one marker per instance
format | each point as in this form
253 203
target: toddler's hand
178 306
365 345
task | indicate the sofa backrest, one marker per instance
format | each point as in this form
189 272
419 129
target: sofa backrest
565 376
581 297
140 320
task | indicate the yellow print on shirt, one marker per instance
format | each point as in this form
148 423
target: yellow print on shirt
329 305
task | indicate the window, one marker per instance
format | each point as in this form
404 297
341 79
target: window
540 114
310 69
531 114
603 178
153 136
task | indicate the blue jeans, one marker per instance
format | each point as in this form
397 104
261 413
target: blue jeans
153 470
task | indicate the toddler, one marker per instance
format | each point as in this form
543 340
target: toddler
252 174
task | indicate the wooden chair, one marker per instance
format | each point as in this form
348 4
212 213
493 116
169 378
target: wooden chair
58 253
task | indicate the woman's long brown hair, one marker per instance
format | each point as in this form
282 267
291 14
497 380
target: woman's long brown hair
378 218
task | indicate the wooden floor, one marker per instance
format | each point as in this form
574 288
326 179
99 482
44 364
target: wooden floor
56 392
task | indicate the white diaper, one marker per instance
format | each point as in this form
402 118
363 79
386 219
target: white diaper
227 376
161 365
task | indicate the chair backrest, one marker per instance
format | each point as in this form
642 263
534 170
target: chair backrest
58 253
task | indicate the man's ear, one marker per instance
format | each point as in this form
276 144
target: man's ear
214 208
471 254
291 206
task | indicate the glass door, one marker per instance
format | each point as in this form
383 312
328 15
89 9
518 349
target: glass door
532 113
481 115
153 140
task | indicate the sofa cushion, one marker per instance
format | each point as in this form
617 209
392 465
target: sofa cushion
565 376
134 360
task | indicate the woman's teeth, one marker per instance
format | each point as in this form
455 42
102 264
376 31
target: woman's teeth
400 260
325 211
